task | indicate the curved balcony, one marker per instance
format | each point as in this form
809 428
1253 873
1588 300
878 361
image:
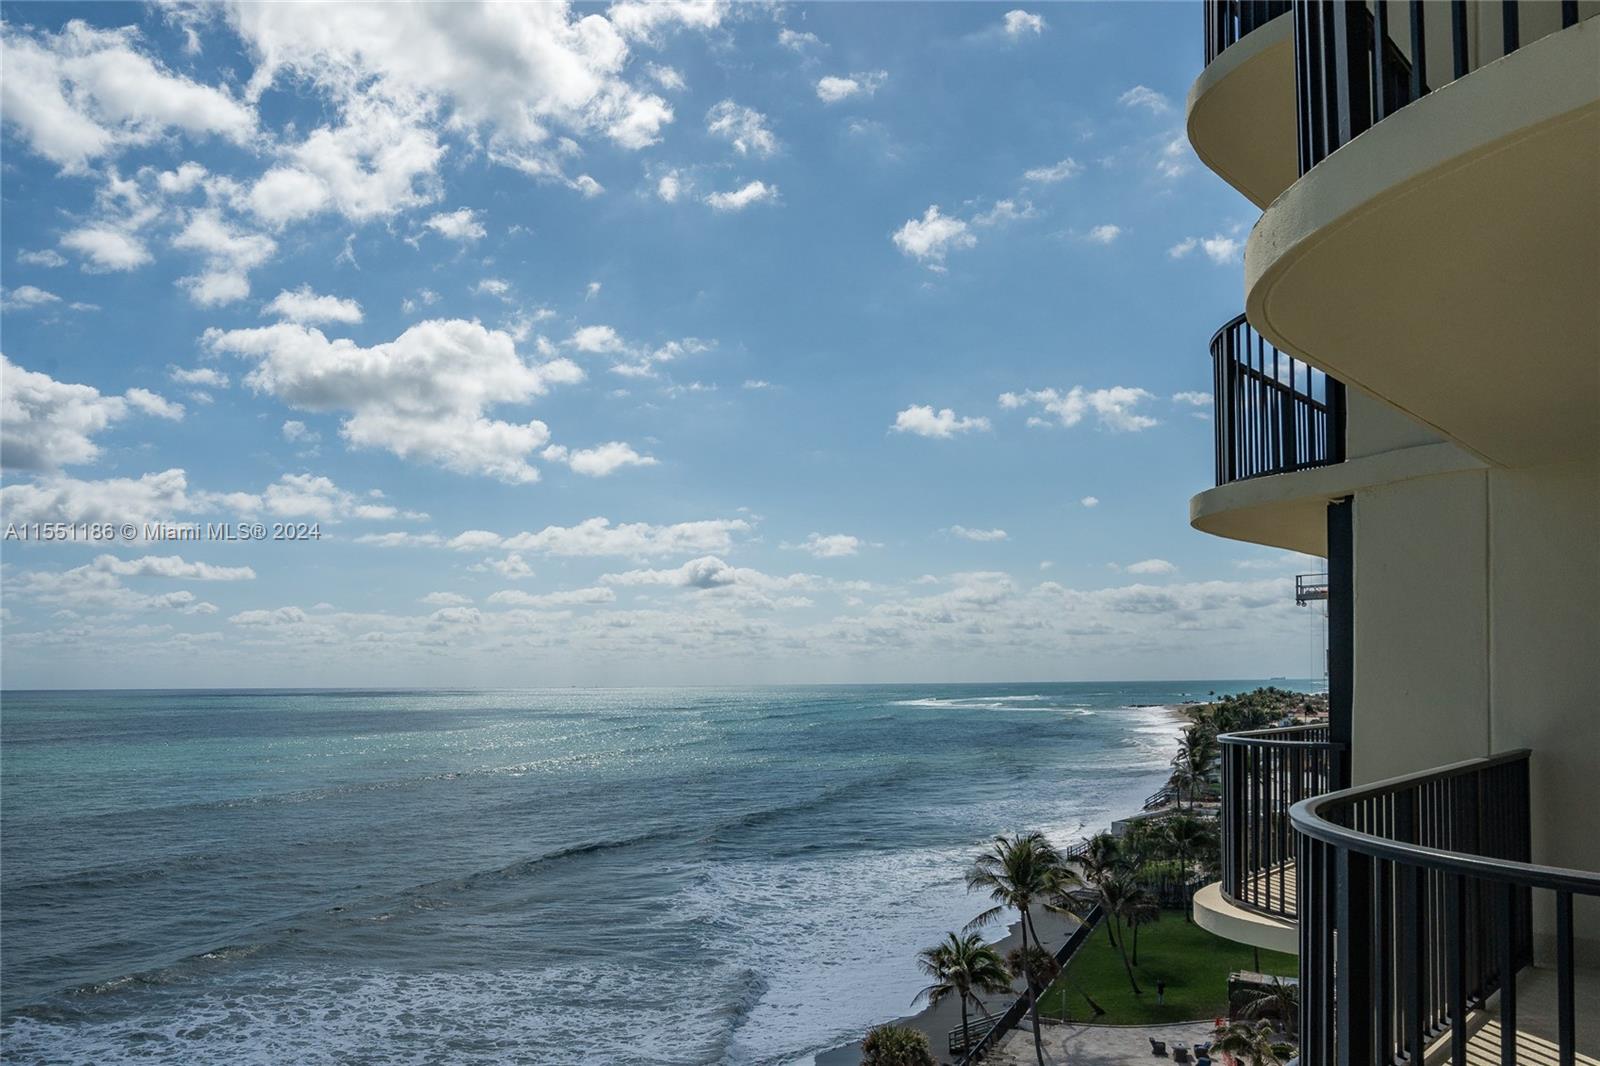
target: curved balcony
1438 251
1264 773
1241 116
1427 935
1273 415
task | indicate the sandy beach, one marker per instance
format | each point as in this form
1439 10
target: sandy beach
937 1021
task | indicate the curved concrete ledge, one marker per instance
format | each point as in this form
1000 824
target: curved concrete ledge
1289 511
1241 118
1216 915
1444 260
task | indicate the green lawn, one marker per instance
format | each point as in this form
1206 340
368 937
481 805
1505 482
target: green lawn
1194 963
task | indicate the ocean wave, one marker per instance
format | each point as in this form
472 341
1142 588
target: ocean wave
577 1012
995 703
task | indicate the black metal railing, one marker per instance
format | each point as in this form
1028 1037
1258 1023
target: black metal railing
1417 902
1356 64
1264 773
1019 1006
1274 414
1229 20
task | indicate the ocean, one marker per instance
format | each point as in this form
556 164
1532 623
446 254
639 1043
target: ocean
670 876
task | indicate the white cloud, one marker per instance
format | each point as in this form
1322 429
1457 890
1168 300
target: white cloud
743 127
1113 408
982 536
152 497
1145 97
797 40
591 290
670 186
171 566
203 375
1220 249
1049 175
446 599
459 225
1090 501
834 88
423 395
830 545
571 598
43 257
1103 234
667 77
598 537
230 256
522 80
924 421
309 496
1022 23
85 93
151 404
1004 211
512 567
107 247
296 432
929 239
599 461
756 383
46 424
755 192
597 340
95 589
1193 399
1150 566
304 305
25 296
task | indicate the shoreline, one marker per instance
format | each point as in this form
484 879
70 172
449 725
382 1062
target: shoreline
937 1021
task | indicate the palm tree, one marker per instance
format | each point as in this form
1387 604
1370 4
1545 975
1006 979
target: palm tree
1279 1000
965 966
1140 909
1191 840
1252 1045
1038 966
895 1045
1118 897
1195 761
1017 872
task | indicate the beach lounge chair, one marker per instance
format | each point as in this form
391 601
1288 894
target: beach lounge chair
1180 1053
1202 1050
1158 1047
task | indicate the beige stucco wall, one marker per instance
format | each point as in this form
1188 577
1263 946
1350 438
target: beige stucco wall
1372 426
1477 599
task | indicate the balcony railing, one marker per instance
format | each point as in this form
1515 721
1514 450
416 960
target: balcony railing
1264 773
1229 20
1274 413
1356 64
1417 901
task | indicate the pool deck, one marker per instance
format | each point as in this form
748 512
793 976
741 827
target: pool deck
1098 1045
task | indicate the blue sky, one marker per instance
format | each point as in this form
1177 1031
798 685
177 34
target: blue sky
627 344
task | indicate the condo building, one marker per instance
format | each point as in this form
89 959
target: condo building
1413 393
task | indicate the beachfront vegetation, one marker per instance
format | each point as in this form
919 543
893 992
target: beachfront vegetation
964 966
1279 1001
1257 709
1018 872
895 1045
1253 1044
1192 965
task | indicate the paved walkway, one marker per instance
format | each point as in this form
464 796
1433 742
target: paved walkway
1097 1045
